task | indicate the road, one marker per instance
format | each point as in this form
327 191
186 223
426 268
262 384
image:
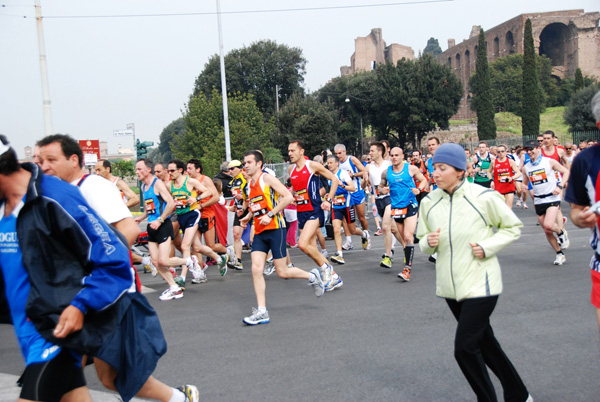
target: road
376 338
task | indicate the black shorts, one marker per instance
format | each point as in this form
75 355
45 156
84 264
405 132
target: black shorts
411 210
189 219
348 213
162 234
381 203
540 209
207 224
49 381
486 184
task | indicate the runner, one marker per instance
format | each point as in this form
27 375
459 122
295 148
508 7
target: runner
237 187
398 181
104 169
187 193
483 175
356 170
583 193
540 172
422 166
267 198
158 205
470 163
208 220
306 183
342 208
570 152
505 171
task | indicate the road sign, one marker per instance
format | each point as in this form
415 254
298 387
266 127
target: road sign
122 133
91 151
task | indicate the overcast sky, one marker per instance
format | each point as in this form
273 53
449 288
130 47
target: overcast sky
123 66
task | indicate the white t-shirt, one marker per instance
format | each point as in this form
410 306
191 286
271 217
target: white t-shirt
104 197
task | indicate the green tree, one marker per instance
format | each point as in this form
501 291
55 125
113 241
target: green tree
578 114
163 152
481 88
305 118
530 112
415 97
433 47
123 169
204 137
578 79
257 70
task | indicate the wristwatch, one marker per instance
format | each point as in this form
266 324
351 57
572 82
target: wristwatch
160 219
270 214
559 186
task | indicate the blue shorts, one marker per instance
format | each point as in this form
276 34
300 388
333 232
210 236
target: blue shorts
345 213
358 197
189 219
306 216
273 240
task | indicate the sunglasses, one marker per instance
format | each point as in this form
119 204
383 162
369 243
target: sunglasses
501 152
568 148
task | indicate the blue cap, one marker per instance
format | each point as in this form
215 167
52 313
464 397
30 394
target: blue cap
451 154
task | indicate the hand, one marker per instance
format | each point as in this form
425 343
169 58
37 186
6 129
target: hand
433 239
326 205
477 250
265 220
238 196
154 225
492 185
557 191
415 191
587 218
191 200
71 320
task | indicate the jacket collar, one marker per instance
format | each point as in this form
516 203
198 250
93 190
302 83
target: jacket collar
461 188
34 189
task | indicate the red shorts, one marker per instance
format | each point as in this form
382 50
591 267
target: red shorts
595 288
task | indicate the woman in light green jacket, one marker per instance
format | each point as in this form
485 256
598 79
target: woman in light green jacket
467 225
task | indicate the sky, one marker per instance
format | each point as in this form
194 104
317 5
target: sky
117 62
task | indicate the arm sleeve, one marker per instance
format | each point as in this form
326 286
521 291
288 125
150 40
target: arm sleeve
501 217
423 229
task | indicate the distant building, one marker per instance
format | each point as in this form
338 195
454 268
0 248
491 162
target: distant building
371 50
570 39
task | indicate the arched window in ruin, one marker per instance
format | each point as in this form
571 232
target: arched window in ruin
509 43
556 42
467 64
458 66
450 61
496 48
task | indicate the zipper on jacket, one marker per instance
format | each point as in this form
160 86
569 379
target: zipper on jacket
451 251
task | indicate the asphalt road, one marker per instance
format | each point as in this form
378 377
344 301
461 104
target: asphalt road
376 338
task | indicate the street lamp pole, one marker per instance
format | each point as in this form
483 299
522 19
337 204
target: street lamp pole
43 70
223 86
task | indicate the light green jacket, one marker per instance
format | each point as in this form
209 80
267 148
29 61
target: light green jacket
469 215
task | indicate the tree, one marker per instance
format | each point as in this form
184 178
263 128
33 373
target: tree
163 152
433 47
123 169
305 118
530 112
482 101
578 114
415 97
257 70
204 137
578 79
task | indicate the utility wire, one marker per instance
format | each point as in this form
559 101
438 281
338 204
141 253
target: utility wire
404 3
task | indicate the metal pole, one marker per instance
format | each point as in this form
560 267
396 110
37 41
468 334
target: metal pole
223 86
131 126
362 140
277 98
43 70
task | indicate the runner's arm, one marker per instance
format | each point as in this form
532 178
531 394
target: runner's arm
132 198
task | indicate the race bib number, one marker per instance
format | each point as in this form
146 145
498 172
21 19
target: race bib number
149 206
399 212
302 197
257 210
339 200
504 177
180 202
538 177
482 174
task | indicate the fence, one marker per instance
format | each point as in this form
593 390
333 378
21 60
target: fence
512 142
280 169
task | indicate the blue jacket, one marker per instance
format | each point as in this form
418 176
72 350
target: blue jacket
72 257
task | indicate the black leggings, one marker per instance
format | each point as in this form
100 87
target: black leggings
475 346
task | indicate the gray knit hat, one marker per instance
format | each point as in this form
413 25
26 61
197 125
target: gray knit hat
451 154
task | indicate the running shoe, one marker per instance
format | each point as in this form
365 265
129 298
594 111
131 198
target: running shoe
199 277
148 266
257 317
366 240
237 265
348 246
335 282
326 274
180 281
171 293
231 255
269 267
563 240
525 205
325 253
379 232
386 262
405 274
338 259
191 393
210 261
173 272
317 284
560 259
223 264
519 203
294 246
432 259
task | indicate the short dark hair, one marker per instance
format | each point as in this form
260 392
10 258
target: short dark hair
149 164
8 159
68 145
258 156
416 150
436 139
106 164
549 132
300 143
379 146
196 162
178 163
332 156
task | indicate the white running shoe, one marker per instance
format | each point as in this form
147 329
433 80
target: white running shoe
366 240
518 202
325 253
171 293
560 259
147 263
199 276
347 246
269 267
336 282
231 255
317 284
563 240
257 317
